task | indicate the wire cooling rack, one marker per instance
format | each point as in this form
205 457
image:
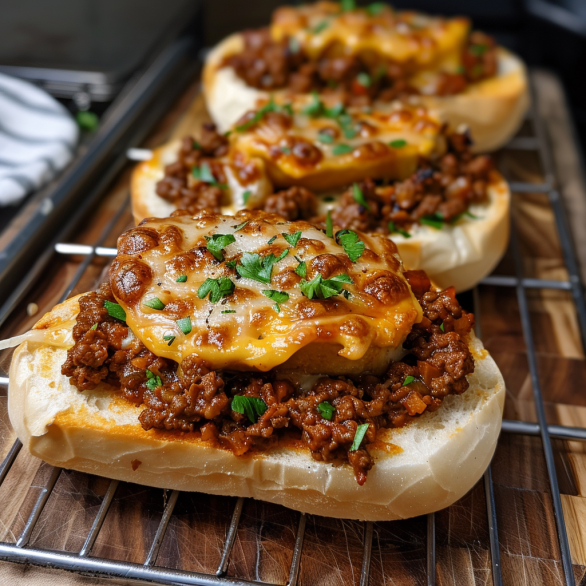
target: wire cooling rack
82 562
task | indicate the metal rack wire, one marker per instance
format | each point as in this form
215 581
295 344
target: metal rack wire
19 552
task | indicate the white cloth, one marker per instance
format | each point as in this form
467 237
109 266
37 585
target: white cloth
37 138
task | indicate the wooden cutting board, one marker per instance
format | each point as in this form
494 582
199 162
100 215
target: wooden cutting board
332 552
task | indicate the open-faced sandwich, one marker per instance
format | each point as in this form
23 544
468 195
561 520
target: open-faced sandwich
396 171
245 355
369 56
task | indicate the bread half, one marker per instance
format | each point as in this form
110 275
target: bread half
420 468
493 109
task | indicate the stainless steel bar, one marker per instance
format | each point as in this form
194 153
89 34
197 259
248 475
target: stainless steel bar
83 249
506 281
541 417
136 154
367 553
111 568
230 537
495 554
4 381
297 551
99 520
431 549
562 432
161 529
38 508
520 187
9 460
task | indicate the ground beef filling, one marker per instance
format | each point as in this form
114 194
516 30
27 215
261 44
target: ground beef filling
270 65
195 398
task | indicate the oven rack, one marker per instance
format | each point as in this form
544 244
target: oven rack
82 562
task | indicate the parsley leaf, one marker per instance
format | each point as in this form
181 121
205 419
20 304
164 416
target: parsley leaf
169 339
408 380
359 196
301 268
325 137
240 226
342 149
364 79
471 215
246 195
393 229
478 50
326 410
435 221
231 264
375 8
252 407
155 303
217 242
285 150
442 327
329 225
359 436
271 106
315 108
217 289
115 310
184 325
323 25
228 311
272 240
353 246
277 297
94 327
181 279
256 268
153 381
348 5
204 173
292 239
399 143
323 288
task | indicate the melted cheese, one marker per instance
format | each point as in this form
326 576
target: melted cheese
419 41
370 152
255 336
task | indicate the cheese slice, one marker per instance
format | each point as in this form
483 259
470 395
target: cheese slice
412 39
167 260
324 151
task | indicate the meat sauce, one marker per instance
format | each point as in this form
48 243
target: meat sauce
194 398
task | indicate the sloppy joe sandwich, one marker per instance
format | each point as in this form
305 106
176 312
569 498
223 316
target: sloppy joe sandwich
445 208
368 56
250 356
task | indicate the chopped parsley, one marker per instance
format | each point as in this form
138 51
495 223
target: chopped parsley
217 242
169 339
352 245
231 264
359 436
323 288
204 173
442 328
393 229
94 327
285 150
258 268
322 26
184 325
252 407
292 239
246 196
153 381
408 380
301 268
196 145
325 137
240 226
228 311
399 143
216 288
342 149
348 5
115 310
277 297
364 79
329 225
434 220
478 50
272 240
155 303
181 279
271 106
326 410
329 198
338 113
294 46
375 8
471 215
359 196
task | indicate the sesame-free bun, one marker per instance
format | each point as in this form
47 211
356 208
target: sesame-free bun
424 467
492 109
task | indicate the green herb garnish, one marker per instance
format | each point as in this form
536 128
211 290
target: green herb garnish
240 226
261 112
155 303
94 327
277 297
301 268
398 144
364 79
246 195
326 410
115 310
325 137
153 381
258 268
478 50
292 239
442 328
285 150
471 215
231 264
217 242
359 196
216 288
252 407
329 225
342 149
323 288
271 240
359 436
181 279
348 5
228 311
435 221
294 46
375 8
352 245
169 339
184 325
204 173
408 380
322 26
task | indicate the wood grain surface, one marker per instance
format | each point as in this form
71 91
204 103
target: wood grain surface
333 549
